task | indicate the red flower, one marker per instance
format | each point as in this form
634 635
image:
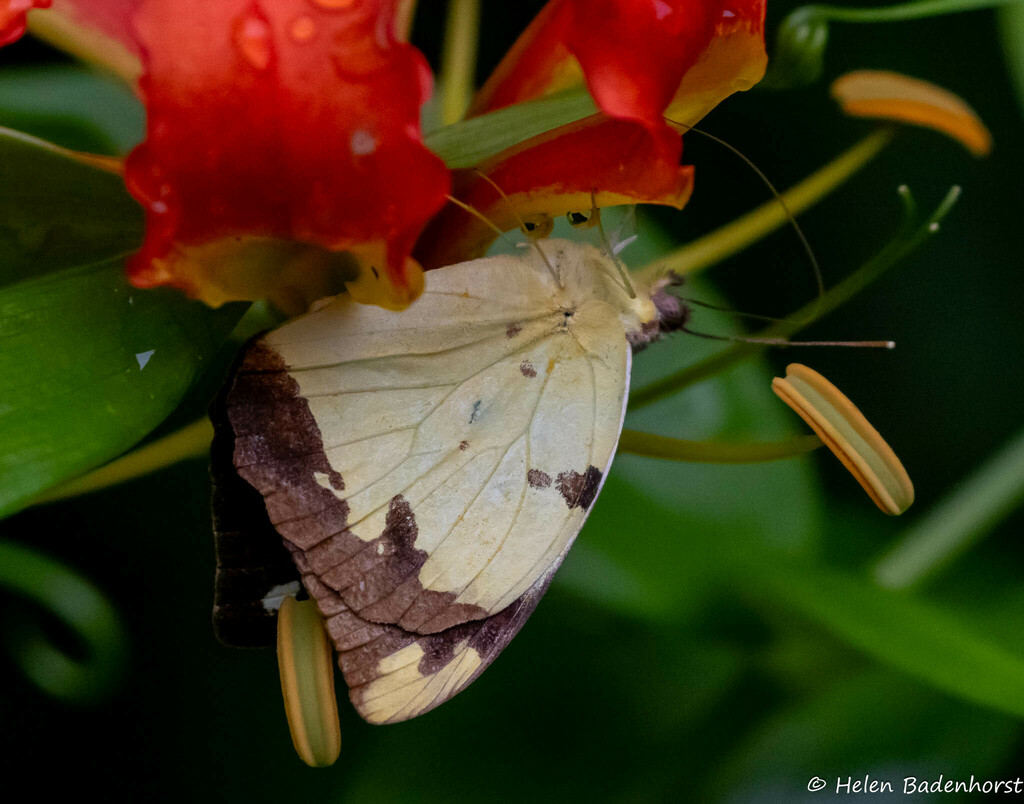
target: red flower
645 62
284 146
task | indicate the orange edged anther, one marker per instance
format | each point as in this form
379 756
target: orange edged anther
846 432
892 96
304 657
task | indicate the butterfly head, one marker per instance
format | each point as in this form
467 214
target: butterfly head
586 274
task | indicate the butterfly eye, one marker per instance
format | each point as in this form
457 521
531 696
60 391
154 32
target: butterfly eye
539 228
582 220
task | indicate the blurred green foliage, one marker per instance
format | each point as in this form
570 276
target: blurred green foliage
715 634
802 37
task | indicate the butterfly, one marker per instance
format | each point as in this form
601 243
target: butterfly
428 470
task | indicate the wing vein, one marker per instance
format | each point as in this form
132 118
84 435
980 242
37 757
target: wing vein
497 465
522 496
392 333
590 454
382 389
413 483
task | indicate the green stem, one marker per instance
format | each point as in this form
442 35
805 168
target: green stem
458 64
870 272
802 38
958 522
1011 33
747 230
192 441
81 607
902 11
676 449
405 14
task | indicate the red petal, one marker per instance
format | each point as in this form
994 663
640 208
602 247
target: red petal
619 161
643 61
292 119
12 17
96 31
733 60
634 54
109 17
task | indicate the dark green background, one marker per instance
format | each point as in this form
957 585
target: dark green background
654 670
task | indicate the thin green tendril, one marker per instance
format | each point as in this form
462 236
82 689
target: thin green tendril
799 55
80 607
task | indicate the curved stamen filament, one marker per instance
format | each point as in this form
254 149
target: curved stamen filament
458 63
651 445
747 230
906 241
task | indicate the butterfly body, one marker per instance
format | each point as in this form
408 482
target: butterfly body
429 469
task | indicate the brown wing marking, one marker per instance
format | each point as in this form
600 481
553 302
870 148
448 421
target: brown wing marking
369 592
394 675
252 563
579 490
279 450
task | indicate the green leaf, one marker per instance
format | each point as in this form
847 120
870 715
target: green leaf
968 513
465 144
872 724
88 366
908 633
56 212
653 563
71 106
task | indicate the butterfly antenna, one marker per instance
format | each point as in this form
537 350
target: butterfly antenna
478 214
784 342
819 281
729 310
623 274
522 224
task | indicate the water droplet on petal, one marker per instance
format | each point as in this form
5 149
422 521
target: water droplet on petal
362 142
251 36
302 28
159 130
728 13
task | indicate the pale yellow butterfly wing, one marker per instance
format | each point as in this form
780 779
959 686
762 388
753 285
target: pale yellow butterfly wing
429 469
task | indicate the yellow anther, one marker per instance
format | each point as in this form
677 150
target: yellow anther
846 432
891 96
305 659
